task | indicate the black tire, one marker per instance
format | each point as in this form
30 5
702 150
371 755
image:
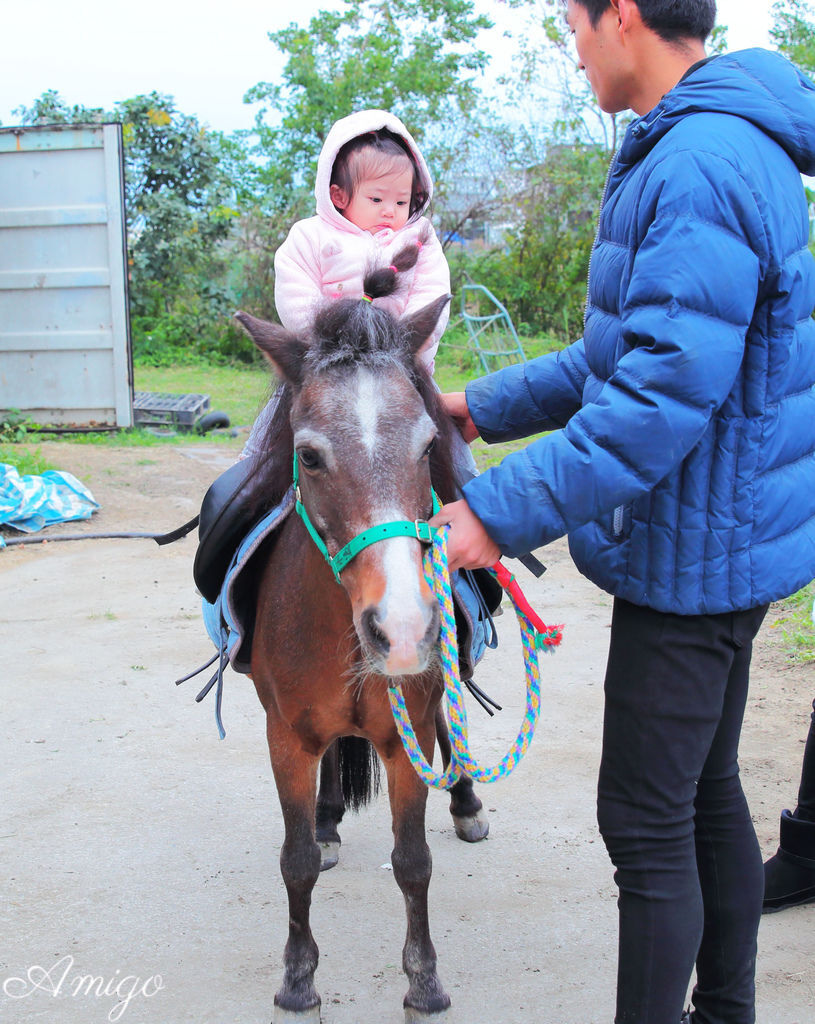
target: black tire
211 421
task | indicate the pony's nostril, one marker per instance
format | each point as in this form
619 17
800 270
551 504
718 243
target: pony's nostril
374 633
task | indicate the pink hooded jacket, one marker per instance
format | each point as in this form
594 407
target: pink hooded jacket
327 256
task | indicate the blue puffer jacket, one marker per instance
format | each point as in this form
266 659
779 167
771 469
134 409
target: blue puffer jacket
684 472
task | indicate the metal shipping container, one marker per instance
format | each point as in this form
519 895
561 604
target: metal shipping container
65 353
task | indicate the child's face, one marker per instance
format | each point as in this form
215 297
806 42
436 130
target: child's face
377 203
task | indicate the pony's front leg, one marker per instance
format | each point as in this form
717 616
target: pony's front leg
426 999
295 774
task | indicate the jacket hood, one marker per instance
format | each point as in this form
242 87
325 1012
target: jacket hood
757 85
343 131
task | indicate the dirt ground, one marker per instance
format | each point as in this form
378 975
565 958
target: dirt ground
139 852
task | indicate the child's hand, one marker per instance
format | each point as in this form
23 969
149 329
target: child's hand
469 546
455 402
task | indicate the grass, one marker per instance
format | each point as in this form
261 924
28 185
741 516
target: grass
239 391
27 461
457 363
796 625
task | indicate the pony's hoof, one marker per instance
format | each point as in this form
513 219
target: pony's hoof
310 1016
329 854
472 828
413 1016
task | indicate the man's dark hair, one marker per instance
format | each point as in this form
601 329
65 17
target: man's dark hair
670 19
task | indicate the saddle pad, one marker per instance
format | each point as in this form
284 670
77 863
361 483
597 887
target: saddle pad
225 618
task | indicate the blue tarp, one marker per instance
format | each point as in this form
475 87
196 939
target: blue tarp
28 503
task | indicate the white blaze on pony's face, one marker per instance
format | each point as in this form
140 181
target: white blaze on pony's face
363 441
367 410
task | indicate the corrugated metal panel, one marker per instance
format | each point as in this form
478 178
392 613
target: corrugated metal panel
64 328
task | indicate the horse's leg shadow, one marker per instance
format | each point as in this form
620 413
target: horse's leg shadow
330 808
469 817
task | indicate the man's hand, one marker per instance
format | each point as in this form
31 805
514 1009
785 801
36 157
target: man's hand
455 402
469 546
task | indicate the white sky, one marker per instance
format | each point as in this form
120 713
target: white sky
206 54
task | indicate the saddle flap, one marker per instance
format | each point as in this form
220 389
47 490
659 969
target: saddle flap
476 596
226 516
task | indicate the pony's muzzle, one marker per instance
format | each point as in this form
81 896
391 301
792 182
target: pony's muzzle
399 644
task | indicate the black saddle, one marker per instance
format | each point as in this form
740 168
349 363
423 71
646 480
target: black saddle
227 515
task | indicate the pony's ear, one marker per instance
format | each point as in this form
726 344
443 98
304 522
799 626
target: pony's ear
284 350
420 325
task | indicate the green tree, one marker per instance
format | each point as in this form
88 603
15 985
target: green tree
540 270
176 196
545 80
416 58
166 151
51 108
717 40
478 162
793 32
180 210
567 143
555 161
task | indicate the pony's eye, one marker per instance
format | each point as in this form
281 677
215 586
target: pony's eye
429 449
309 458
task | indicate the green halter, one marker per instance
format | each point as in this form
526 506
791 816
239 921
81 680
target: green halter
418 528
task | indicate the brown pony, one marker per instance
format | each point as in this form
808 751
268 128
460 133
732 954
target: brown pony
362 419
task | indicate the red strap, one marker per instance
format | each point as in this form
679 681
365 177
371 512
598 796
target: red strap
511 585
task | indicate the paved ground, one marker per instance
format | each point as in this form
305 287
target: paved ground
141 851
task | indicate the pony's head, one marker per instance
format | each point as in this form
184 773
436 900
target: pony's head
364 426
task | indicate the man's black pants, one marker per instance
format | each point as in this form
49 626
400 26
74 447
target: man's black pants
673 815
806 790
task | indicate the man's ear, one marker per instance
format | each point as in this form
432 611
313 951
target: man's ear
338 196
627 13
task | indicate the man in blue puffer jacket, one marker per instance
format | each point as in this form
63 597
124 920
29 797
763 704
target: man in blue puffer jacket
681 464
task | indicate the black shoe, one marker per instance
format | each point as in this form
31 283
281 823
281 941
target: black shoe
685 1018
789 876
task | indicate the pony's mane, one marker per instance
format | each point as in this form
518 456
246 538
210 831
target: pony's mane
349 334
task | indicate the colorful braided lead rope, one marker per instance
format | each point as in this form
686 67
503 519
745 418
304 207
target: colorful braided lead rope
534 635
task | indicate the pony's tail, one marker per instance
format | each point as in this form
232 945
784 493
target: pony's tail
359 771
